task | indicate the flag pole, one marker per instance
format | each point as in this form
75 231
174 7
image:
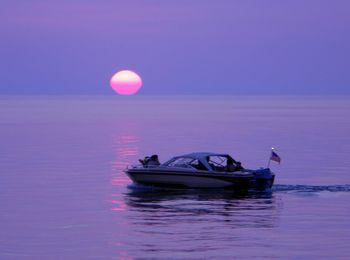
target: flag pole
268 164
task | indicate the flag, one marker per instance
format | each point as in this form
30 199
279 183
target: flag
275 157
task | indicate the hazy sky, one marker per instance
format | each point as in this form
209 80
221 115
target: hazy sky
177 46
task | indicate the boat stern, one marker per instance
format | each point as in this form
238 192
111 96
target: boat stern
264 178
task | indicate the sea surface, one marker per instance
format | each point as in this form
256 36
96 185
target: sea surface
63 193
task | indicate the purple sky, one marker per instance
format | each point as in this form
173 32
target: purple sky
177 47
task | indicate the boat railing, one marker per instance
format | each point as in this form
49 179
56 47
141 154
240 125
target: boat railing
139 166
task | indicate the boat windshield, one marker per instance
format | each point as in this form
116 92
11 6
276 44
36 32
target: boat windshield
180 162
218 163
186 162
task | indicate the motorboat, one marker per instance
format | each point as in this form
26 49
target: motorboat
200 170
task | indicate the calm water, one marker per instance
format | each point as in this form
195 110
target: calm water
63 194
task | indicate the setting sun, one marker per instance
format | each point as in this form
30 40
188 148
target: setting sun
126 82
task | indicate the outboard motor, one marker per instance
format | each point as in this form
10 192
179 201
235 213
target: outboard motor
264 178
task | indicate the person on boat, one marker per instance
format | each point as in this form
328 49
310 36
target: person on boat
212 166
145 161
153 160
199 166
150 161
239 166
233 166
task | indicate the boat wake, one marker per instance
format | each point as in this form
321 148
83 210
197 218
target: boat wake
310 188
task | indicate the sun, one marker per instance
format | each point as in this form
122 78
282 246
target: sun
126 82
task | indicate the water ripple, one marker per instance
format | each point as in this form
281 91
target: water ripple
311 188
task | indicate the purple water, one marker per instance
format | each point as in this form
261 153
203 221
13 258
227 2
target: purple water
63 194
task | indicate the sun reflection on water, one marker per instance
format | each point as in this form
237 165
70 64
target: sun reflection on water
126 147
127 151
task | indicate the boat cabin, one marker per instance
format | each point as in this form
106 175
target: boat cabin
205 162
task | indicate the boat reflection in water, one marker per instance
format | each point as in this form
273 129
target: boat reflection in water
164 207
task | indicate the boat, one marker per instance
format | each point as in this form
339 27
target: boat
200 170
